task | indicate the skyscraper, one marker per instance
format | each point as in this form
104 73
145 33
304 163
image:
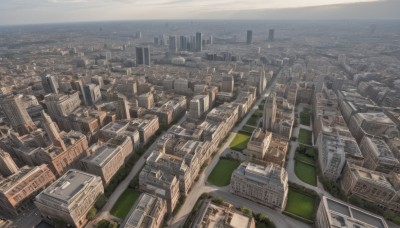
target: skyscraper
50 127
7 164
271 34
199 41
143 56
122 108
172 44
183 43
192 43
50 83
16 114
249 39
269 112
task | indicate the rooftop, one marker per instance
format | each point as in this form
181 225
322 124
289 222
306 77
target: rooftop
69 185
344 215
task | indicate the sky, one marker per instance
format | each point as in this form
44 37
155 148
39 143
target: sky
54 11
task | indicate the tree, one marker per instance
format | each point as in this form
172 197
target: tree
246 211
100 202
217 201
91 214
106 224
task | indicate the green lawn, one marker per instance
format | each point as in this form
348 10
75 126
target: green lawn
300 204
248 129
306 172
305 136
240 141
222 172
304 158
305 119
124 203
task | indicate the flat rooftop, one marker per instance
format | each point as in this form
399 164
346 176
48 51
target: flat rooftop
344 215
67 186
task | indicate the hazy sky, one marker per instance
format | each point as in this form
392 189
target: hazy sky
49 11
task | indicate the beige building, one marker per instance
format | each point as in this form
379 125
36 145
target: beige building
372 124
227 83
17 190
160 184
7 164
333 214
146 100
147 212
70 198
105 160
372 186
198 106
147 127
378 155
17 114
258 144
212 216
267 185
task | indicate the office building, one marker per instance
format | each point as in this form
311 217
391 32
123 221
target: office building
16 114
121 108
264 184
257 79
106 159
70 198
98 80
7 164
61 105
378 156
160 184
148 211
227 84
147 126
331 156
211 215
372 124
198 106
143 56
258 144
199 41
376 187
271 34
183 43
146 100
17 190
269 113
50 83
249 37
332 214
173 45
92 93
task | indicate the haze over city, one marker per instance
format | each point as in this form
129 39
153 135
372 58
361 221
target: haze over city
56 11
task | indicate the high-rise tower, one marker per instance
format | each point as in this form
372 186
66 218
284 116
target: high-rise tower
249 38
173 44
199 41
122 108
16 114
271 34
7 164
269 112
143 56
50 83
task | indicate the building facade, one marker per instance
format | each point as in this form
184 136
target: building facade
70 198
267 185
